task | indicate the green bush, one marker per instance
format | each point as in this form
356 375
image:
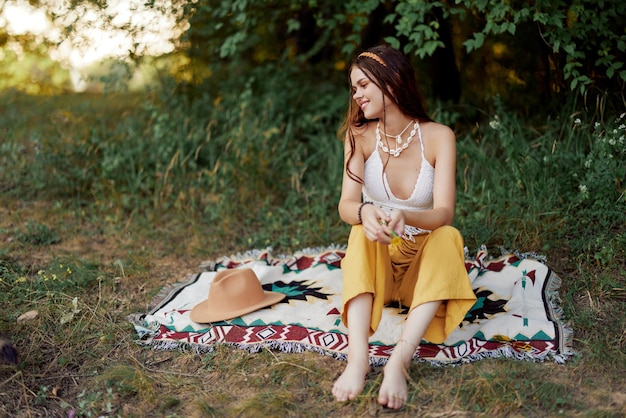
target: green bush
521 186
257 162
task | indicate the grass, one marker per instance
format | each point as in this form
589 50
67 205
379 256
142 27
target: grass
104 199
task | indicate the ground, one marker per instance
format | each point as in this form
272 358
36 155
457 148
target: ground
91 365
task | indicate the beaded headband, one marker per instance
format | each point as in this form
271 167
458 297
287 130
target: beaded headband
374 57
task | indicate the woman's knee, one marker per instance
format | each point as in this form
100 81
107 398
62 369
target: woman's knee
447 230
447 234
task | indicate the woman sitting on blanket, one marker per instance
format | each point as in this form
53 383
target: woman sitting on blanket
399 180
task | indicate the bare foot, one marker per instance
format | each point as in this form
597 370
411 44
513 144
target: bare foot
394 390
352 380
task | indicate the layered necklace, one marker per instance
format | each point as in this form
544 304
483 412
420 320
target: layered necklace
399 145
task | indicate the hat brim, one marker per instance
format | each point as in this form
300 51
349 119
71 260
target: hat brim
203 312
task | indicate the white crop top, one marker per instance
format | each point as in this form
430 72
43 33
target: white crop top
376 188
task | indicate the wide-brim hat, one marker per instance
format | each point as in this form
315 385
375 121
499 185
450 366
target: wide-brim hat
233 292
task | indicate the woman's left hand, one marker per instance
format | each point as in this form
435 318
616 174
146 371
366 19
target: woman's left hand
397 221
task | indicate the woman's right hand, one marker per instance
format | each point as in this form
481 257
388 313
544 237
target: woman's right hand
375 223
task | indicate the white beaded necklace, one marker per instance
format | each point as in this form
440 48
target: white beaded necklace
399 136
396 151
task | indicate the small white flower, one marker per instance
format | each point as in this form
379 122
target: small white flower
588 163
596 125
582 188
612 141
577 121
495 123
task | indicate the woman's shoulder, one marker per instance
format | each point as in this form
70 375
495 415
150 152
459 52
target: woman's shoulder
364 136
364 131
437 131
438 139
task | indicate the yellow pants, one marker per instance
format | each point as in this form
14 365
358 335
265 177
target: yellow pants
431 268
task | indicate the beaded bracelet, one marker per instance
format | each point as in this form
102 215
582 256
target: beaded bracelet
360 208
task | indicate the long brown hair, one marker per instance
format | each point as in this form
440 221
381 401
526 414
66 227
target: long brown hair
393 73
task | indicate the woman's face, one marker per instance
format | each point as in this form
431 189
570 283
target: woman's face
366 94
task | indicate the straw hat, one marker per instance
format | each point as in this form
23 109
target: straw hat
233 293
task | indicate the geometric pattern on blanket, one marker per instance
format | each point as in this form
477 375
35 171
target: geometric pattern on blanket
517 312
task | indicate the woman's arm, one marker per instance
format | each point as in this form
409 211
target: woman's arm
351 189
372 217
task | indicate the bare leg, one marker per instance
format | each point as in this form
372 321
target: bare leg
393 391
351 382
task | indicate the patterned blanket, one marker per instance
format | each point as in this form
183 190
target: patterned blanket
517 313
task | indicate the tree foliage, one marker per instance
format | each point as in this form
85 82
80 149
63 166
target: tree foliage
569 46
586 38
578 44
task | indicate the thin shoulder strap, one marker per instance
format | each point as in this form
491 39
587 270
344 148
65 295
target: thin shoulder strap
419 136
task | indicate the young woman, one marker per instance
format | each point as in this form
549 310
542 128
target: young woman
399 180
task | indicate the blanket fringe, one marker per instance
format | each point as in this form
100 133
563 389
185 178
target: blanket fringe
285 347
555 312
504 251
501 352
268 252
375 361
